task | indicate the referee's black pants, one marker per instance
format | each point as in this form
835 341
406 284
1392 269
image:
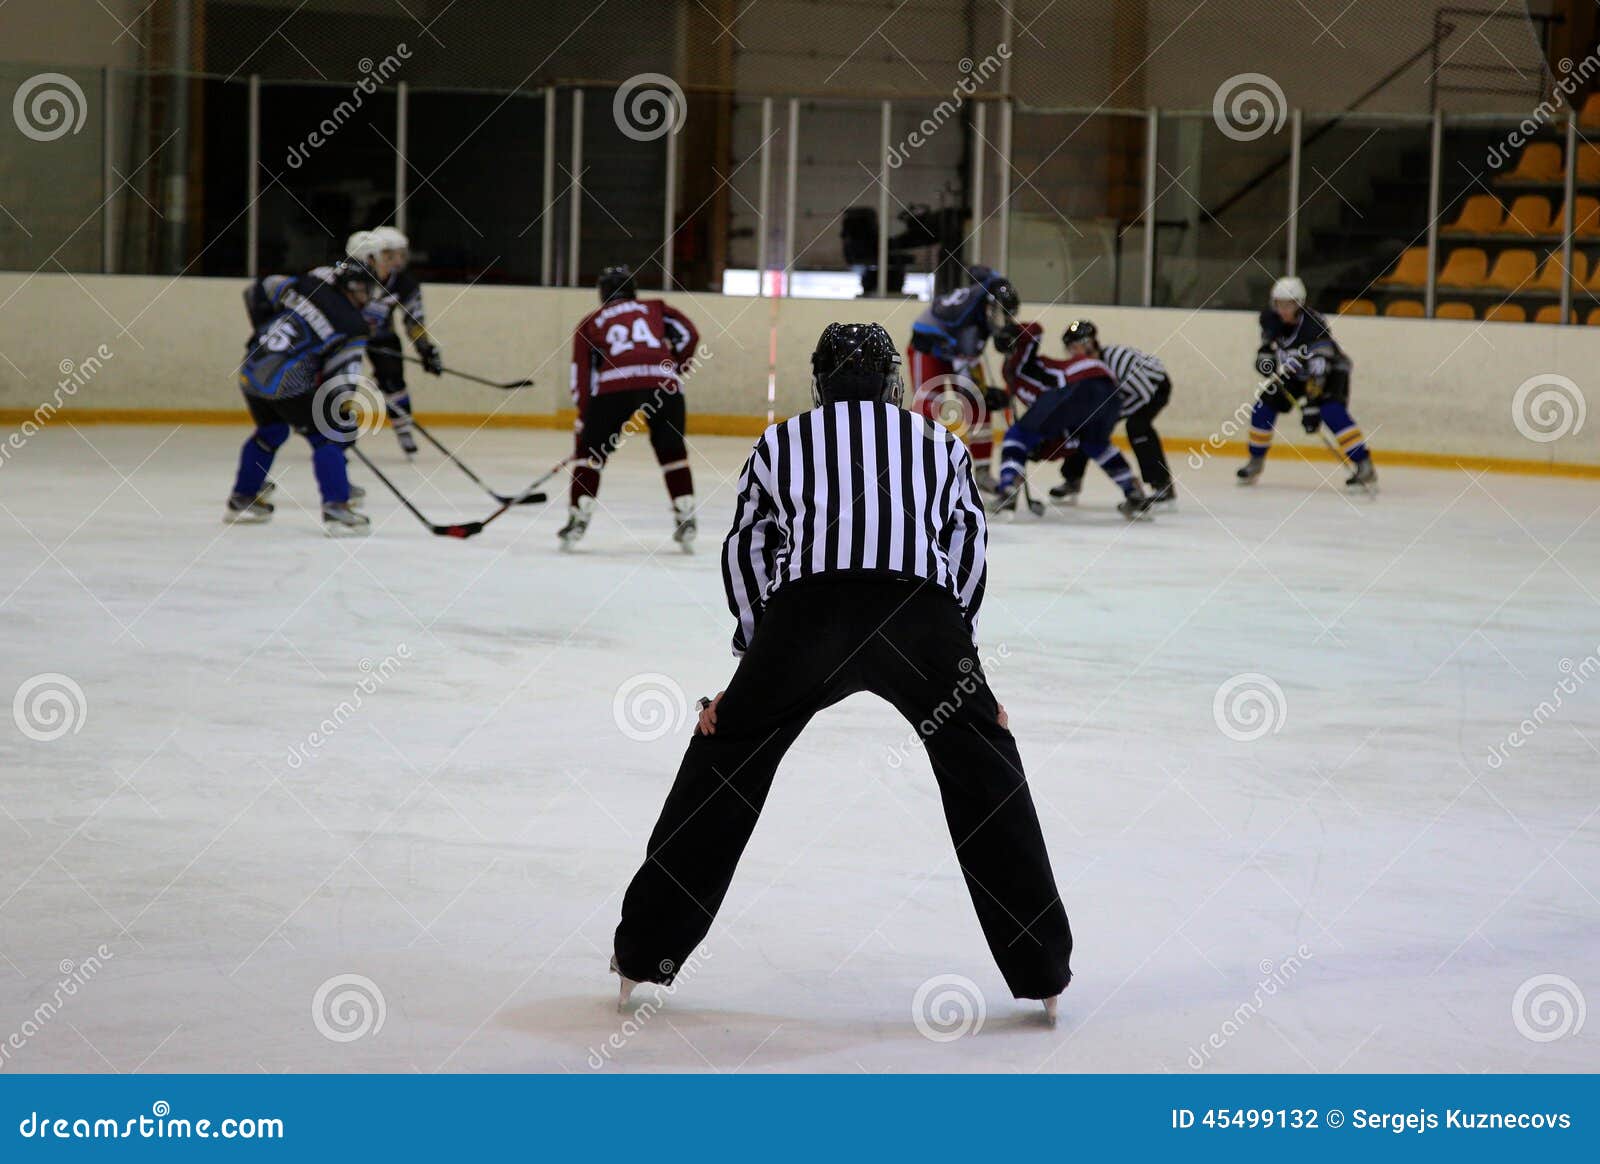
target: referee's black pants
819 641
1144 438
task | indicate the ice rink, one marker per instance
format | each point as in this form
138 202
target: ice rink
1360 887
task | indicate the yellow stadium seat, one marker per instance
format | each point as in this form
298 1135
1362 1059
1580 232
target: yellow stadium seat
1588 164
1586 216
1540 162
1552 275
1405 309
1551 313
1466 267
1454 310
1480 214
1357 307
1412 268
1505 313
1512 270
1590 113
1529 214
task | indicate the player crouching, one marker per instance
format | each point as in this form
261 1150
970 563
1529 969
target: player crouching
628 357
300 370
1071 402
1143 390
1304 365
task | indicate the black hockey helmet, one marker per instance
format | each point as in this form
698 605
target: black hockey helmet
617 283
349 274
1080 331
1002 306
855 361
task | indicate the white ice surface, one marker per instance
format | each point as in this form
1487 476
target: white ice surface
463 839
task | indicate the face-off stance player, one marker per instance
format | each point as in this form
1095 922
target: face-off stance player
1143 390
1304 364
401 293
947 340
627 357
856 562
298 371
1072 400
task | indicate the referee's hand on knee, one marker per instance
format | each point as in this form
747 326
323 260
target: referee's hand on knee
708 715
1000 714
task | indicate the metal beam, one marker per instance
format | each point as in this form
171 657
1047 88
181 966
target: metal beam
885 129
547 217
1152 146
1430 291
575 208
402 124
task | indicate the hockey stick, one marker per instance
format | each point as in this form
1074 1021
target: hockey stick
457 530
1339 455
526 497
525 383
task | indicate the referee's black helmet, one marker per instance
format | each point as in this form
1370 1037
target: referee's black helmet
855 361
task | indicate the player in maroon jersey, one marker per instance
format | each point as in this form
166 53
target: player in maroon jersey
627 357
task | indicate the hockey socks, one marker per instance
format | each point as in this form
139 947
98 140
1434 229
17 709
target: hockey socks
333 481
255 458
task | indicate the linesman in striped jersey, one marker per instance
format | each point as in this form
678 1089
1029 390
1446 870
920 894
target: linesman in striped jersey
855 563
1143 390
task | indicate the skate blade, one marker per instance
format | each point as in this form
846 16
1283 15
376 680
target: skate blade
337 529
1052 1010
231 518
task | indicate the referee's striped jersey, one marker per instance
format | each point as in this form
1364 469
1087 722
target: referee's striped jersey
1138 374
854 486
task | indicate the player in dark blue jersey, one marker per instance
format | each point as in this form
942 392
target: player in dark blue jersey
947 341
400 293
1303 364
301 371
1071 403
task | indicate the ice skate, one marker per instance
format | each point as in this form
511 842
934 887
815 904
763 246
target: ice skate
341 521
1066 493
243 510
1004 504
408 440
1251 469
578 517
625 986
1365 477
1051 1005
1135 506
684 529
1166 498
358 495
985 479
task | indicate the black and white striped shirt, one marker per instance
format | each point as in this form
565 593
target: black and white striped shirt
1138 374
854 486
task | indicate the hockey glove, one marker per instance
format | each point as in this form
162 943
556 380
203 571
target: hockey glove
432 359
996 399
1311 417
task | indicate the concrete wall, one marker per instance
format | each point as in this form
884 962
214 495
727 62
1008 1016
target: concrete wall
1434 387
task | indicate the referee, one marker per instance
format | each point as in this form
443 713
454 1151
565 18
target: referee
855 563
1143 390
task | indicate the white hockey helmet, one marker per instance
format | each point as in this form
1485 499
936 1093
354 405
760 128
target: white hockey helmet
1289 289
392 239
365 246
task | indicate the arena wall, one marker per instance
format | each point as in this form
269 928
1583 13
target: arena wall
127 348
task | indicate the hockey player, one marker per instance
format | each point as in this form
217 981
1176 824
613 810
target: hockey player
400 293
629 356
1303 364
1143 389
947 340
851 575
1074 400
298 373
